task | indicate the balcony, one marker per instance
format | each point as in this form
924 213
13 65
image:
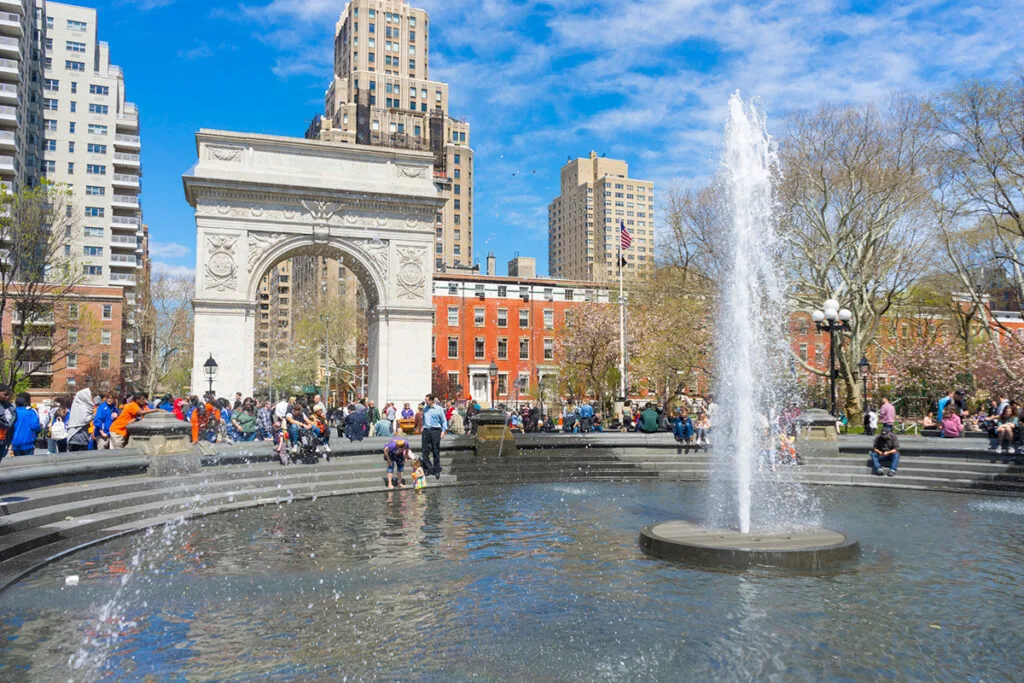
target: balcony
122 260
10 24
6 163
124 242
125 180
129 118
8 114
35 368
122 279
125 159
124 223
11 6
125 201
133 141
41 343
8 94
8 140
10 47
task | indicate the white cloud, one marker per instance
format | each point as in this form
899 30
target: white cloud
173 270
168 250
200 51
650 79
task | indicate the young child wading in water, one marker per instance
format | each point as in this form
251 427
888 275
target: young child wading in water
419 478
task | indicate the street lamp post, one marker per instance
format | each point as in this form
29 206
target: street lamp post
492 371
832 319
865 368
210 369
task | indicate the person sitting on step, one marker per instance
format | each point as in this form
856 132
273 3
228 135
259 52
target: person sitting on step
887 447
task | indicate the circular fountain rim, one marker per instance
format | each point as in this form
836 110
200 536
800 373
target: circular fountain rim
684 541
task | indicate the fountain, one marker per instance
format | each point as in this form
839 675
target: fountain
751 519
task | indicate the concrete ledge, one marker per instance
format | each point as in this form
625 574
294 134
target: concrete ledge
809 550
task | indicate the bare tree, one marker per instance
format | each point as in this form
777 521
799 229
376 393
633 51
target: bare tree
163 322
979 191
690 239
37 270
854 201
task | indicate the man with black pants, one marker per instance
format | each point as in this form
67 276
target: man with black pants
435 426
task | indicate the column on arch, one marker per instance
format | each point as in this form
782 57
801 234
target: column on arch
227 330
399 355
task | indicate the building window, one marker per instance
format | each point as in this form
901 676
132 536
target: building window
95 211
105 337
108 311
73 335
74 66
524 318
51 84
94 270
50 104
93 251
453 347
72 361
99 90
105 361
524 348
99 109
453 316
96 149
502 384
96 129
95 190
72 25
74 46
453 288
502 291
478 317
73 311
503 348
502 317
549 349
479 349
93 232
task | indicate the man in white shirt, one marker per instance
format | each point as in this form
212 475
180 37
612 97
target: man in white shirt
282 409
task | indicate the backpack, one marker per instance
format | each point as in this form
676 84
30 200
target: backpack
58 430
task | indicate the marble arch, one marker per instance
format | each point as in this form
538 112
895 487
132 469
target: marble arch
259 199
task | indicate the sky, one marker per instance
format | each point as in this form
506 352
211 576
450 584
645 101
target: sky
647 81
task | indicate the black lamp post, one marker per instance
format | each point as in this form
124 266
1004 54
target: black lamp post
865 368
492 370
210 368
832 320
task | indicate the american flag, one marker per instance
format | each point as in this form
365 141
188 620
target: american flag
627 239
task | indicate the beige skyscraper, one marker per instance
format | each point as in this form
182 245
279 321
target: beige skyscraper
382 95
584 221
21 75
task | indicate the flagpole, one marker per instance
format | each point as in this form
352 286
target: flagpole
622 324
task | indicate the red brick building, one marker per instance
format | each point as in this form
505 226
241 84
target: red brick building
509 320
77 344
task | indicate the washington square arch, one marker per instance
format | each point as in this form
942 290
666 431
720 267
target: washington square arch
261 199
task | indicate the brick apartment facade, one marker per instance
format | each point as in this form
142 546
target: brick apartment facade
77 345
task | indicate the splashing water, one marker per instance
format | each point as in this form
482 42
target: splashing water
751 344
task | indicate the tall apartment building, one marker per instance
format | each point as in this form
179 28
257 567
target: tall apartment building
584 221
21 76
382 95
90 142
274 321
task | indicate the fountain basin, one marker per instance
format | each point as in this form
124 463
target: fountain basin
808 549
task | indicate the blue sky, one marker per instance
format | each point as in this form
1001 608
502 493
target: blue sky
644 80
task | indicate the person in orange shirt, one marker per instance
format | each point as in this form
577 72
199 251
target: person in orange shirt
133 410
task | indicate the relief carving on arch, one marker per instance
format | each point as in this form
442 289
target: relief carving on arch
377 250
221 267
259 243
411 276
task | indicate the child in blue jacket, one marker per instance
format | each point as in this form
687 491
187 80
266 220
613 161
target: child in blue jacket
26 427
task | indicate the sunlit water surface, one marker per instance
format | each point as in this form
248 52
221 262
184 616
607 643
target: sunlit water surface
527 582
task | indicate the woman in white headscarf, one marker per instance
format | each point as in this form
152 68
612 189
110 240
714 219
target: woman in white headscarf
78 425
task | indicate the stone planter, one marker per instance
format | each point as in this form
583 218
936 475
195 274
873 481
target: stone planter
167 442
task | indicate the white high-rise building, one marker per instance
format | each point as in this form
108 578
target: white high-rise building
20 103
90 142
